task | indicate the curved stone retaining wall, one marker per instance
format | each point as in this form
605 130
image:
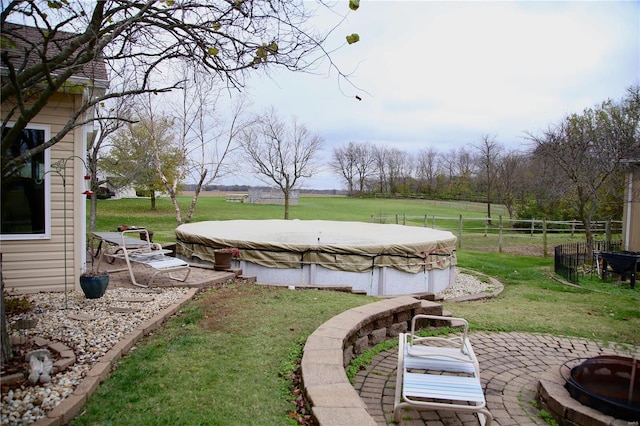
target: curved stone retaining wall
331 347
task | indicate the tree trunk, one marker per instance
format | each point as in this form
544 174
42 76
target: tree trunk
173 194
94 186
361 184
587 231
153 199
286 205
93 211
176 207
489 204
194 200
7 351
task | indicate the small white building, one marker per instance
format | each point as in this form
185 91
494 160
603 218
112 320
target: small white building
264 195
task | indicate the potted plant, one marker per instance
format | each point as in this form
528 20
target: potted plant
223 257
94 282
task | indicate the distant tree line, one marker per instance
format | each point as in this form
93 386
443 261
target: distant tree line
573 170
245 188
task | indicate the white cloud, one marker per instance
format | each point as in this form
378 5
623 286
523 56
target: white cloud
445 73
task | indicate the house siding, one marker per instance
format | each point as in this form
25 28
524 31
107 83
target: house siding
30 266
633 222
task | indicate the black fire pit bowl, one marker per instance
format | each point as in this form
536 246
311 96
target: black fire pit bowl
608 383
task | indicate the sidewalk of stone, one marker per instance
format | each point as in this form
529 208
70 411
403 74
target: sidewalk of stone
511 365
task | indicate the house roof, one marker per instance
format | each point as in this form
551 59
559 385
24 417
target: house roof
28 50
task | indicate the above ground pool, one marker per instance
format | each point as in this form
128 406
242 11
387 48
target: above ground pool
378 259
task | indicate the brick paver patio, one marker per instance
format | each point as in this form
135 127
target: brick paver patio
510 365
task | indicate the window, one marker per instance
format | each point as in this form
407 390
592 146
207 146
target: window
25 194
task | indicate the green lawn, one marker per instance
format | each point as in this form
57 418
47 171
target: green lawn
228 356
225 360
532 301
113 213
137 212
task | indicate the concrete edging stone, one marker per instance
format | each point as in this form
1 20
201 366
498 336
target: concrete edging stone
329 349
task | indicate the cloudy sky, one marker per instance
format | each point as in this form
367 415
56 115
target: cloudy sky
444 73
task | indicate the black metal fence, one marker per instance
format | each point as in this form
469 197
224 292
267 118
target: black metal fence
577 259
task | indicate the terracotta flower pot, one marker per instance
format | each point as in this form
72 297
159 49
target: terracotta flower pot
222 260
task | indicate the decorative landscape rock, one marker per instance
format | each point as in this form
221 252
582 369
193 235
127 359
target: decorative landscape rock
40 366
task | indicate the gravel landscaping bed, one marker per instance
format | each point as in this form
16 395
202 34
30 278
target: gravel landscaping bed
88 327
465 285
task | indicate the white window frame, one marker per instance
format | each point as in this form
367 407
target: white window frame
47 191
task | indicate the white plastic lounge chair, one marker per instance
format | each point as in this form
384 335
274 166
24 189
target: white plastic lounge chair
439 373
447 353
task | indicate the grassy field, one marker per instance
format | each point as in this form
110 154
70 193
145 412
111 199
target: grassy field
229 356
137 212
535 302
111 213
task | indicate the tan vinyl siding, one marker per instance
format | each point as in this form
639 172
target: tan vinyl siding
38 265
634 229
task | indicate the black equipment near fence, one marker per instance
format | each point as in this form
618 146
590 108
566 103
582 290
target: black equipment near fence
576 259
621 263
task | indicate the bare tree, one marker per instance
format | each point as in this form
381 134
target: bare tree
465 166
279 154
488 158
457 163
365 164
427 168
343 163
206 136
464 163
65 39
447 162
509 179
399 167
354 164
380 154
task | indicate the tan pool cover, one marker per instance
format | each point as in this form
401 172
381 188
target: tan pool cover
345 246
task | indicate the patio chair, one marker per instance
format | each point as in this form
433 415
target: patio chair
151 255
439 373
